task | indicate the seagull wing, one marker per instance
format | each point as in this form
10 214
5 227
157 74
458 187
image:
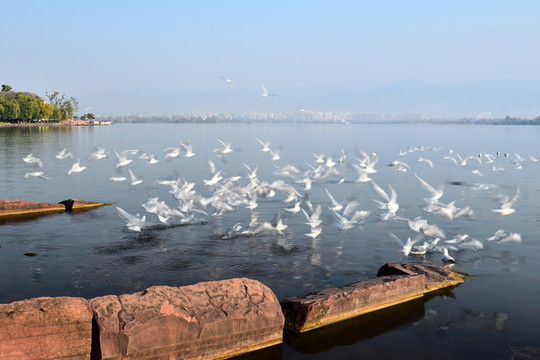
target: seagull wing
380 191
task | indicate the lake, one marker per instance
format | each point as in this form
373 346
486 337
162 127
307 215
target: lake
492 315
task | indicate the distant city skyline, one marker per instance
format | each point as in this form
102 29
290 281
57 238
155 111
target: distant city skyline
435 58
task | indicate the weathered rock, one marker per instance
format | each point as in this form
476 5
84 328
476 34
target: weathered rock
24 207
46 328
437 277
208 320
335 304
351 331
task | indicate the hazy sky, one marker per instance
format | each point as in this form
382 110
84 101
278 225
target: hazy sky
113 47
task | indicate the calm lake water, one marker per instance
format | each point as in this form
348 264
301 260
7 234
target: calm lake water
494 315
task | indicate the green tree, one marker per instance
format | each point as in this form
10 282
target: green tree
10 109
63 108
6 88
29 107
45 110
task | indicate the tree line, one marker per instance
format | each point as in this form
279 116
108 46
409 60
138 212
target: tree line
28 107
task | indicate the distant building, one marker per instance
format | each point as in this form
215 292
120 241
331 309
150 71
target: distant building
76 122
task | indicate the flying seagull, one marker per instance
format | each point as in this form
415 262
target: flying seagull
265 92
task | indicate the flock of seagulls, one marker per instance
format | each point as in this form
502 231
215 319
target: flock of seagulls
291 191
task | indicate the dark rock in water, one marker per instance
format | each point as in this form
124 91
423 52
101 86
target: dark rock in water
46 328
68 204
216 319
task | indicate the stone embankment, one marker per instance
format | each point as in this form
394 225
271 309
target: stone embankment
19 207
209 320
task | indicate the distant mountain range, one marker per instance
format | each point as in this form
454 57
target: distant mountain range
501 98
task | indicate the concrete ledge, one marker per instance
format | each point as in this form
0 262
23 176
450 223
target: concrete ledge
210 320
46 328
19 207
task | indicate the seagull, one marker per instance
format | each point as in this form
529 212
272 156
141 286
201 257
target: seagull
335 205
228 81
294 209
117 178
315 219
122 159
427 161
407 246
265 145
314 232
447 259
477 172
172 152
436 194
319 158
227 147
134 179
151 159
76 167
30 159
188 148
506 204
275 155
36 174
134 223
265 92
99 154
391 201
63 154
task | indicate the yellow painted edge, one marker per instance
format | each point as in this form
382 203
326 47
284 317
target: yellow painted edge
51 210
35 211
250 348
88 206
360 311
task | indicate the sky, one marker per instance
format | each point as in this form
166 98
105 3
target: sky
171 56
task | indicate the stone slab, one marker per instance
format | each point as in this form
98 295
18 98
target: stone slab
46 328
209 320
19 207
437 277
336 304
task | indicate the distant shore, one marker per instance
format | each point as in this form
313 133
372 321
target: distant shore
31 124
53 124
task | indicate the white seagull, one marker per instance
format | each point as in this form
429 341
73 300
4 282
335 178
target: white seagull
36 174
76 167
436 194
188 148
507 203
30 159
265 92
63 154
134 179
447 259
